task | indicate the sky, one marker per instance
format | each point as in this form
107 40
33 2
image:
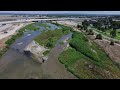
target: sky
64 12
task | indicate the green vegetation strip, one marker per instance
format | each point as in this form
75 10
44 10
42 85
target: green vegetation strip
20 33
44 25
87 60
46 52
14 37
50 37
3 51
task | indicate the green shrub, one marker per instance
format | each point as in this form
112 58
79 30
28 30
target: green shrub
99 36
90 32
46 52
112 42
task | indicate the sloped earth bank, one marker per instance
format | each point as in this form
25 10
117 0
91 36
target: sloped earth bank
113 51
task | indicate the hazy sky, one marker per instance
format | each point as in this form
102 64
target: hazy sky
65 12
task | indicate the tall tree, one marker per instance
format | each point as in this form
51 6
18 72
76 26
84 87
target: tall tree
85 24
113 33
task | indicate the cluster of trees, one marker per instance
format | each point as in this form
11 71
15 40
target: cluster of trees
85 24
106 24
90 32
103 24
79 26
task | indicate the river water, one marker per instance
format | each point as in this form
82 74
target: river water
15 65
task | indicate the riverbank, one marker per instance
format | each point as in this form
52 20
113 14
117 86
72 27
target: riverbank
11 37
87 60
10 30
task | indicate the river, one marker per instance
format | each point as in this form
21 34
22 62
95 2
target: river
15 65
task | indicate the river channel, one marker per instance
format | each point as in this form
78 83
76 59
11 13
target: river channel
14 64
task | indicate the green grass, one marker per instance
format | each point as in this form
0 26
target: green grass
107 33
80 43
71 56
31 27
46 52
63 27
62 43
3 51
84 53
44 25
49 38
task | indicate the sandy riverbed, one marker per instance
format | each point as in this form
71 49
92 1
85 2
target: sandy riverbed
11 30
71 23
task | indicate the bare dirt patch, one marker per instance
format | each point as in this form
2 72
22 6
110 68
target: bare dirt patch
2 42
113 51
